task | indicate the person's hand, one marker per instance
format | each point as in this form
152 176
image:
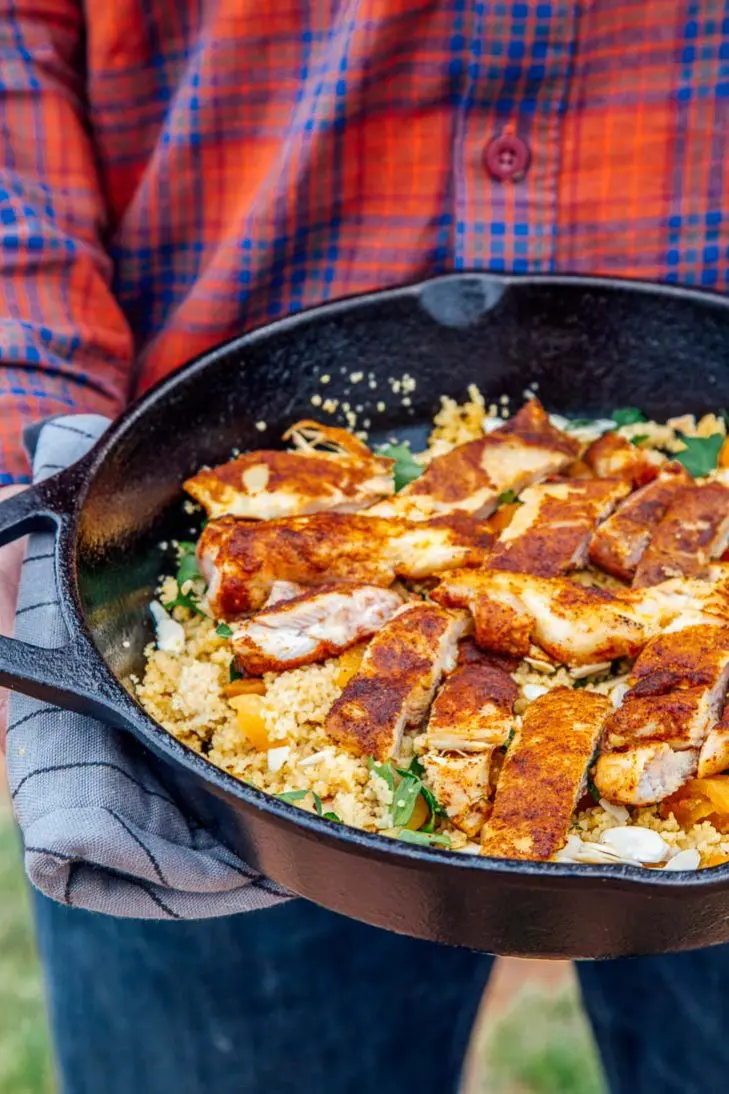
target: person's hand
11 558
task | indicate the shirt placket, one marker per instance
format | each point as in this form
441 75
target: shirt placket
519 59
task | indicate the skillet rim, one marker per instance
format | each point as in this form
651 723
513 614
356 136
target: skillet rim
373 845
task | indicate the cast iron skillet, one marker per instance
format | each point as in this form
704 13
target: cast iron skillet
591 345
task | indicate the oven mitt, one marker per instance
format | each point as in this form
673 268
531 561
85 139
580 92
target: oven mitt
99 827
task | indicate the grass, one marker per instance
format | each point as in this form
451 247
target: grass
25 1063
541 1045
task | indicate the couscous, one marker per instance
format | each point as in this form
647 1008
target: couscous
290 730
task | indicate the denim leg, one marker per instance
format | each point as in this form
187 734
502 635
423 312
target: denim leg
662 1023
293 999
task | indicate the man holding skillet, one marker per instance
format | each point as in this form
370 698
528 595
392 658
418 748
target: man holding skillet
173 173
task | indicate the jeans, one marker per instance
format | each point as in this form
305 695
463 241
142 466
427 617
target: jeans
296 1000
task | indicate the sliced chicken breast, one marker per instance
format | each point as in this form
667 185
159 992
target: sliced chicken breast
550 531
694 530
270 484
471 477
575 625
643 774
544 775
317 624
395 684
614 457
283 590
462 786
241 560
714 754
474 709
676 690
618 544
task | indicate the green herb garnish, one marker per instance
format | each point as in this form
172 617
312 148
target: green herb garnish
235 674
579 423
424 839
184 600
580 683
224 631
701 454
385 771
592 790
403 802
628 415
299 795
510 738
509 497
638 439
406 469
292 795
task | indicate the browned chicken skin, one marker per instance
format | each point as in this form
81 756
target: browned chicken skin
395 683
544 774
550 531
473 710
471 477
676 691
618 544
575 625
241 560
614 457
270 484
694 530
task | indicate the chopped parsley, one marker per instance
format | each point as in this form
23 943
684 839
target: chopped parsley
406 468
628 415
510 738
224 631
701 454
235 674
509 497
580 683
638 439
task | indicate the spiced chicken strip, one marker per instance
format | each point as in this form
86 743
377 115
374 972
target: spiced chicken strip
550 531
614 457
471 477
461 785
544 775
694 530
317 624
676 690
643 774
474 709
714 754
270 484
241 560
618 544
394 686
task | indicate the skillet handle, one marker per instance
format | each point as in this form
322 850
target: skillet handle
71 676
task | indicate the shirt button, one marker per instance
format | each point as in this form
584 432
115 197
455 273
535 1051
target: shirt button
507 158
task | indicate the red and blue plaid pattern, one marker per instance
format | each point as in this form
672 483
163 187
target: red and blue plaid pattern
174 171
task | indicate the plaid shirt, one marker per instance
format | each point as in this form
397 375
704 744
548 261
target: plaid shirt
174 171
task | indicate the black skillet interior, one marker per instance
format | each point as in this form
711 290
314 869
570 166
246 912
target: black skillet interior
589 346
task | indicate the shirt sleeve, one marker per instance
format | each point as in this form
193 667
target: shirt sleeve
64 341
